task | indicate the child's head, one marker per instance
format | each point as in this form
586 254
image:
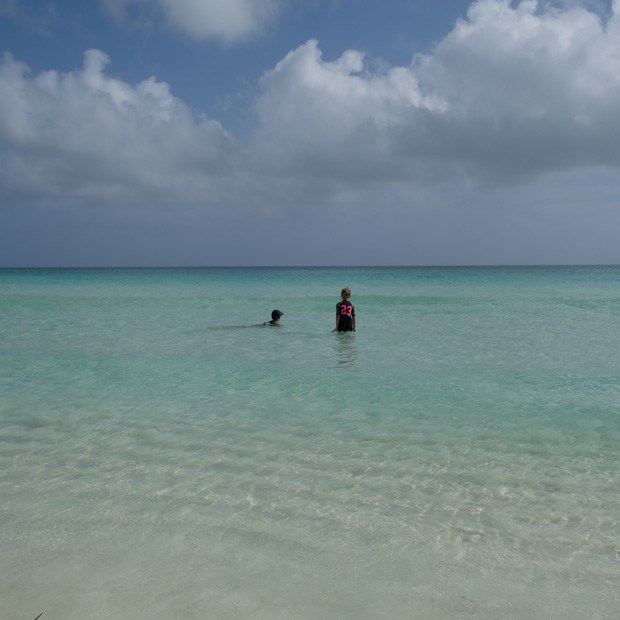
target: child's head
345 293
276 314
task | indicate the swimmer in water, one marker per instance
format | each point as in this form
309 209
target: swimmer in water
276 315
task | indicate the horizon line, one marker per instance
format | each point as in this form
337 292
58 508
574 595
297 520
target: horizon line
360 266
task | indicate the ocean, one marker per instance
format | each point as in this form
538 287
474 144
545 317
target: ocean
164 457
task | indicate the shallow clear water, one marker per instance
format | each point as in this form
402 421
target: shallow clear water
456 457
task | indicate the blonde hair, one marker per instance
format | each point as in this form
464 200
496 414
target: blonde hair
345 293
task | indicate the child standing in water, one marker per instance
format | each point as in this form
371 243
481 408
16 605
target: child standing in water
345 313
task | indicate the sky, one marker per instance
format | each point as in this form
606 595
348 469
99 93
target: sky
309 132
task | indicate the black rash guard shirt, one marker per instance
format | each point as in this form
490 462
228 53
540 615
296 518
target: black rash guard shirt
346 311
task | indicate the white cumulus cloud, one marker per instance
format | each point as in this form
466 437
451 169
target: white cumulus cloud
333 116
224 20
84 134
511 92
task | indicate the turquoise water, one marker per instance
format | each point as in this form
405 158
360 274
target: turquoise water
456 457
